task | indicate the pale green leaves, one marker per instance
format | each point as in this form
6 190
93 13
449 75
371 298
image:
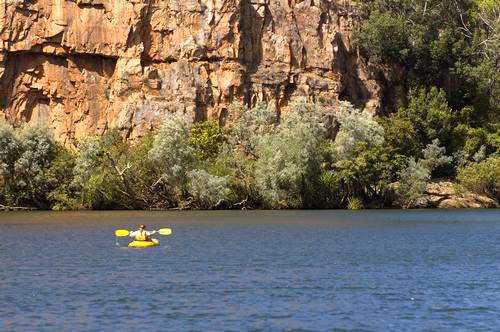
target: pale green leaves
287 159
414 178
413 184
172 152
25 155
355 127
207 190
250 126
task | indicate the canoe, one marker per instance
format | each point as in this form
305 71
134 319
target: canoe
144 244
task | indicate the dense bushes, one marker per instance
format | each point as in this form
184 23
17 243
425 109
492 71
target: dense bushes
482 177
449 44
384 38
25 159
258 161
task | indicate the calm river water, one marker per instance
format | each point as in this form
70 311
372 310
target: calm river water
429 270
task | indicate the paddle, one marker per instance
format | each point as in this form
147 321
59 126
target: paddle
121 232
161 231
164 231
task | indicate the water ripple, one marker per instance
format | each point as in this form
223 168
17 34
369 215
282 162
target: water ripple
258 271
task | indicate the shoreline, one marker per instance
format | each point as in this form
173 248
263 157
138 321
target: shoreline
442 195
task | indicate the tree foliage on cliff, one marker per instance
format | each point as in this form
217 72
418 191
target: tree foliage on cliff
453 45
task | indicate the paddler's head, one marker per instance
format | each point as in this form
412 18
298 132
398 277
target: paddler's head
142 227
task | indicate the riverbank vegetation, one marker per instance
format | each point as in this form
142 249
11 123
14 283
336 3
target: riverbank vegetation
441 62
307 157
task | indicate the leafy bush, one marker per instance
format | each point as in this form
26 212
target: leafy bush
173 154
482 177
90 157
429 113
400 136
413 185
240 170
287 161
249 127
206 138
355 164
9 153
62 195
103 191
365 175
24 159
383 38
356 128
207 190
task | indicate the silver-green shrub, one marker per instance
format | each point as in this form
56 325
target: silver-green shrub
414 178
9 148
251 124
25 155
38 148
172 153
207 190
435 156
355 127
413 184
90 156
288 159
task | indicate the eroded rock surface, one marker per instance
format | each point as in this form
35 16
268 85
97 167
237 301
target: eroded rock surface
443 195
84 66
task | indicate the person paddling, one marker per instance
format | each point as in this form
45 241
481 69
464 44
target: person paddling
142 234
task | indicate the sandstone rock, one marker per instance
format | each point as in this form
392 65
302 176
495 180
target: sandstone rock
85 66
443 195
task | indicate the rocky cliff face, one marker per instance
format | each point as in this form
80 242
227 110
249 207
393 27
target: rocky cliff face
84 66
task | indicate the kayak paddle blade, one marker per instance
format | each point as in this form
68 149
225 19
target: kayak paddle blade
121 232
165 231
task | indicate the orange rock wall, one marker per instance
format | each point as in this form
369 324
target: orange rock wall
84 66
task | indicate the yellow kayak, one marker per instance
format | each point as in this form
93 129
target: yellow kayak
144 244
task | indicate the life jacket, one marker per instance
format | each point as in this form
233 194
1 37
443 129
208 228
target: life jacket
141 236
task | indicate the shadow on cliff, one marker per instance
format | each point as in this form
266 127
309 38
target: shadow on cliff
353 89
251 28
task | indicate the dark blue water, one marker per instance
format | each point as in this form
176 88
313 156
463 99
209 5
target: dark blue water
252 271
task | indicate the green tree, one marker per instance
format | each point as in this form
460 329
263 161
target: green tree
10 149
482 177
206 139
365 175
100 179
429 113
383 38
287 160
173 155
356 163
62 195
24 160
400 135
141 174
207 190
413 185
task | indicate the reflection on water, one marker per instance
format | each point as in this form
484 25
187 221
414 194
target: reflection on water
266 270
